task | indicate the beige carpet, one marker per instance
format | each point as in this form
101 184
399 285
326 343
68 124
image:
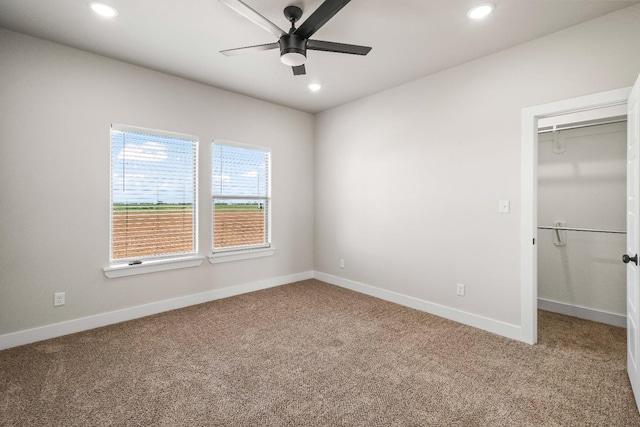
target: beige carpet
311 354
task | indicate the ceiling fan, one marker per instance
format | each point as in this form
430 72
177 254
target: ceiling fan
294 44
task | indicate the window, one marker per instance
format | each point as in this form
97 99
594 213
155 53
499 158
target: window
241 197
153 195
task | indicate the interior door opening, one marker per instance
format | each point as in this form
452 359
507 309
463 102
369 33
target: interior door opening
629 98
584 108
581 211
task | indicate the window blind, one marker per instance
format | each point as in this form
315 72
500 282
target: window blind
153 193
241 196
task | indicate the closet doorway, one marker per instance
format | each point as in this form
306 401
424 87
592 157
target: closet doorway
629 98
582 180
575 110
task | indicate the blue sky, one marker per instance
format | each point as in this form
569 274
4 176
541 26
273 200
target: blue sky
239 171
152 169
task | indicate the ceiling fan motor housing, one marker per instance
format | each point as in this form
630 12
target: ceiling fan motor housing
293 50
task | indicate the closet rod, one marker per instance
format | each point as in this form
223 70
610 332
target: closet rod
588 230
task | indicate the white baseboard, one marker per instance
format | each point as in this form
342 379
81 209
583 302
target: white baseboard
85 323
480 322
82 324
583 312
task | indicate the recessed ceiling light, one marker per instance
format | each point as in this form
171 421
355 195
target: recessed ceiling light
480 11
103 9
314 87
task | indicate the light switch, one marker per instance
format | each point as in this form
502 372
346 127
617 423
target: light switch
505 206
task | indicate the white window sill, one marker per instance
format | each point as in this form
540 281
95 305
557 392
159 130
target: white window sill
152 266
229 256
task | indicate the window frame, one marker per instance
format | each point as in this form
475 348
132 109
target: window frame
236 253
152 263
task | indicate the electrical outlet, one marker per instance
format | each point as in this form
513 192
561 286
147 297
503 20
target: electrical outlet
341 263
460 289
58 299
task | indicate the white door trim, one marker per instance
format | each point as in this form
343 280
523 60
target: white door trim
529 192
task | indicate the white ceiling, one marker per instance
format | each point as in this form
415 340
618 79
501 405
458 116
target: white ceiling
410 39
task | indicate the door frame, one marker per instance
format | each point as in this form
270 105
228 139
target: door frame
529 194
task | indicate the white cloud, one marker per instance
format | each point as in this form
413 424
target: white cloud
221 178
150 151
131 179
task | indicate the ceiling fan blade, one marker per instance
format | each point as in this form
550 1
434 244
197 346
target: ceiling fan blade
337 47
299 70
253 16
320 17
249 49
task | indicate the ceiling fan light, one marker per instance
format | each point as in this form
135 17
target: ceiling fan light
293 59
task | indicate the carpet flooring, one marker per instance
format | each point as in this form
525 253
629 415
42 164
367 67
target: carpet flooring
312 354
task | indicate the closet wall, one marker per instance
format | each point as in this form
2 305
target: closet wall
582 184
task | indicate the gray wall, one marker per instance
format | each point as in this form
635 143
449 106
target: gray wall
56 107
408 180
